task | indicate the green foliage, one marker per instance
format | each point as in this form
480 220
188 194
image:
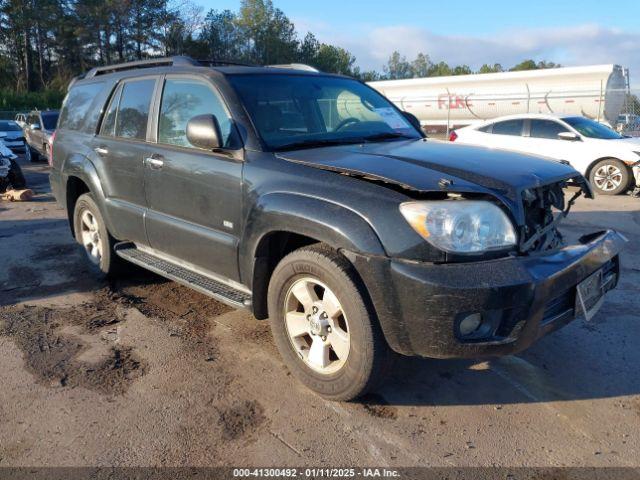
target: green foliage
532 65
12 100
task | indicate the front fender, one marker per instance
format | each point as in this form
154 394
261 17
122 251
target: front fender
323 220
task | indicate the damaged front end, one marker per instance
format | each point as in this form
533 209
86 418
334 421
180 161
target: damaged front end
544 208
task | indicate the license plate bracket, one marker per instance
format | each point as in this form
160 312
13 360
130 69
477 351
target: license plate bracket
590 295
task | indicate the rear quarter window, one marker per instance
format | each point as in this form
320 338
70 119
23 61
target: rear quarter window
77 112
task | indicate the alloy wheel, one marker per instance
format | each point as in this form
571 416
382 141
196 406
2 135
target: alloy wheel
317 326
90 235
607 177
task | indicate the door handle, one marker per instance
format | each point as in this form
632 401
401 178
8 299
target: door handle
101 151
155 162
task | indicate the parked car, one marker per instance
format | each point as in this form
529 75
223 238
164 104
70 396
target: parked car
21 119
609 160
309 198
10 171
40 127
14 138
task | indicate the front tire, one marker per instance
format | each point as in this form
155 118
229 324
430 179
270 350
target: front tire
322 325
91 232
32 155
610 177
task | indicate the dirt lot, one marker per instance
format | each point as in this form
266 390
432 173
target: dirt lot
145 372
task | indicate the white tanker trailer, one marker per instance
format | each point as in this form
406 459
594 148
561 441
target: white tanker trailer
597 92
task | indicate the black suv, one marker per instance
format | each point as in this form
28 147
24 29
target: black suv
310 199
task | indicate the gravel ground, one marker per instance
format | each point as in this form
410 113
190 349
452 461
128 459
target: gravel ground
144 372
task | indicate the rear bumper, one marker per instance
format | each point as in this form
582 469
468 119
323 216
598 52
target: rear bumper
420 306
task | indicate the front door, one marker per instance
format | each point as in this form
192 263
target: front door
119 153
194 196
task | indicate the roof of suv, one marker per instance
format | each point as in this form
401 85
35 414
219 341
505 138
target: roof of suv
186 64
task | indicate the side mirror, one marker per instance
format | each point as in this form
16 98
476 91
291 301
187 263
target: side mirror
569 136
413 120
203 131
34 126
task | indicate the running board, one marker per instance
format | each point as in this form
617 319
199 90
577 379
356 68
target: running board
197 281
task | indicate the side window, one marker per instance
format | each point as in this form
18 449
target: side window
34 120
76 105
508 127
133 109
183 99
486 128
546 129
109 122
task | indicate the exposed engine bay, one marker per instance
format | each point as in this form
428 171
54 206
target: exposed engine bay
544 208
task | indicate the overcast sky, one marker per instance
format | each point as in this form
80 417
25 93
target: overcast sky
471 32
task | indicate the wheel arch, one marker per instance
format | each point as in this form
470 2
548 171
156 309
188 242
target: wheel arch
81 177
281 223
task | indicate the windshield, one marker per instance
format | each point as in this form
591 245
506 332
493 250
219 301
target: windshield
592 129
9 126
49 120
301 111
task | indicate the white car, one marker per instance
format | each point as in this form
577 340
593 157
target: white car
609 160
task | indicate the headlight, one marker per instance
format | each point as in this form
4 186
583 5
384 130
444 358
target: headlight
460 226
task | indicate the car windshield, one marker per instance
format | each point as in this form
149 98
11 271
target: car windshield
304 111
9 126
592 129
50 120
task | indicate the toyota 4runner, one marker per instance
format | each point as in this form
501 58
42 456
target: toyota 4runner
311 200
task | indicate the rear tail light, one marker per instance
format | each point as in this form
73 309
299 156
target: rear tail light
50 157
453 136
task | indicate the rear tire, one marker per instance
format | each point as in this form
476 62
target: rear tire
91 232
610 177
341 355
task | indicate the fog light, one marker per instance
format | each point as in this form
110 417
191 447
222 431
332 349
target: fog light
470 324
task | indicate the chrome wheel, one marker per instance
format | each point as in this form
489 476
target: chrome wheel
316 325
608 177
90 236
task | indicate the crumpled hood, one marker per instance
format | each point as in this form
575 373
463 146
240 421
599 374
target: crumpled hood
429 166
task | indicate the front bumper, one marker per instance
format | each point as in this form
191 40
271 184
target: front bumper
521 298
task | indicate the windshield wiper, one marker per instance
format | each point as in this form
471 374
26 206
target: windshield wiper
386 136
310 143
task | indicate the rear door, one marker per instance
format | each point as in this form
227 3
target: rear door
120 149
507 134
541 138
194 195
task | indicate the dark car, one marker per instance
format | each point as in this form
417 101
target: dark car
38 130
14 136
311 199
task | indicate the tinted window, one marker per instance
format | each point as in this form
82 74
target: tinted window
181 101
77 104
591 128
9 126
508 127
33 120
49 120
486 128
546 129
133 109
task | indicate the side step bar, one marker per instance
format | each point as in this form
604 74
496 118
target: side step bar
197 281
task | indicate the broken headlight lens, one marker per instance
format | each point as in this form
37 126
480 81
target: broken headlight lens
460 226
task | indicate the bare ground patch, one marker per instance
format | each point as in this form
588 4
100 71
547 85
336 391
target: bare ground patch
241 419
54 355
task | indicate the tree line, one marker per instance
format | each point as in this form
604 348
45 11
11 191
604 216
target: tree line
45 43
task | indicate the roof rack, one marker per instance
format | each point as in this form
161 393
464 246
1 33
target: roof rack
149 63
178 61
296 66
